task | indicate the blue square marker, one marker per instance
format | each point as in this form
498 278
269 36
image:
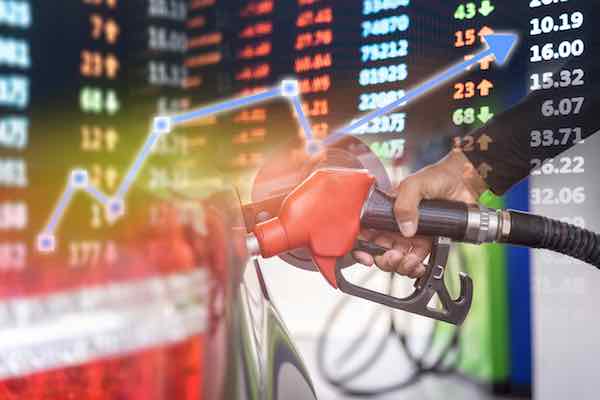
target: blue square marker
313 147
46 243
79 178
162 125
290 88
115 209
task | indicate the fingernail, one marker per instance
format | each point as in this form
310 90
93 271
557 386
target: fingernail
408 228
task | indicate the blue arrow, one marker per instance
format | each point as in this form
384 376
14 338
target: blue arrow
500 45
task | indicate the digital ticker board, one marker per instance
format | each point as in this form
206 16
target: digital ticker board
81 83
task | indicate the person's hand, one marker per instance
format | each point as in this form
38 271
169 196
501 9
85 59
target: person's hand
453 178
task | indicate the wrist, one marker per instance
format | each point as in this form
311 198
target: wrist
462 166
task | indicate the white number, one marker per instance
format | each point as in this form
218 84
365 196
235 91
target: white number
540 3
565 107
563 166
548 196
372 101
565 49
547 138
548 25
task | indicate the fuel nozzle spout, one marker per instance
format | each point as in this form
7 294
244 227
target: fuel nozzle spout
252 245
268 239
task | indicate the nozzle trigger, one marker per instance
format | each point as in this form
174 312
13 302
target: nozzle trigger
453 311
370 248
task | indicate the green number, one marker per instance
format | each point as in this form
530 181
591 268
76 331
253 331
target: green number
90 100
463 116
95 101
460 12
389 149
471 10
465 11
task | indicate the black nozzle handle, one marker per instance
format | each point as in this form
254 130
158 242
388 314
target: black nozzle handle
454 311
436 217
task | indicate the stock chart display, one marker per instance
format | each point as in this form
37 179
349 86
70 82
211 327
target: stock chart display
81 82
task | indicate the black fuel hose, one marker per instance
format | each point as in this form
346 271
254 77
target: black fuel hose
544 233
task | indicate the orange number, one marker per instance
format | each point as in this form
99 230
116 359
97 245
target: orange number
94 65
109 3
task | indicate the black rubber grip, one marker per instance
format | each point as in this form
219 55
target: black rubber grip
526 229
436 217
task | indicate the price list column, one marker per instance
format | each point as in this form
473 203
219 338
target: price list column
384 51
165 77
166 45
473 95
484 92
15 66
100 105
559 44
562 57
207 79
252 49
314 61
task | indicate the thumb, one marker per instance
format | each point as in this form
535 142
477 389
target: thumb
408 197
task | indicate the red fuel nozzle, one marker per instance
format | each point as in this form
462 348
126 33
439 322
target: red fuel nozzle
322 214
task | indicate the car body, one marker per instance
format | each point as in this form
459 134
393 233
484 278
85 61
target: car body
181 314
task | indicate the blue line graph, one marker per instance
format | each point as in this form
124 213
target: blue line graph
304 122
163 125
60 208
499 45
137 164
97 195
